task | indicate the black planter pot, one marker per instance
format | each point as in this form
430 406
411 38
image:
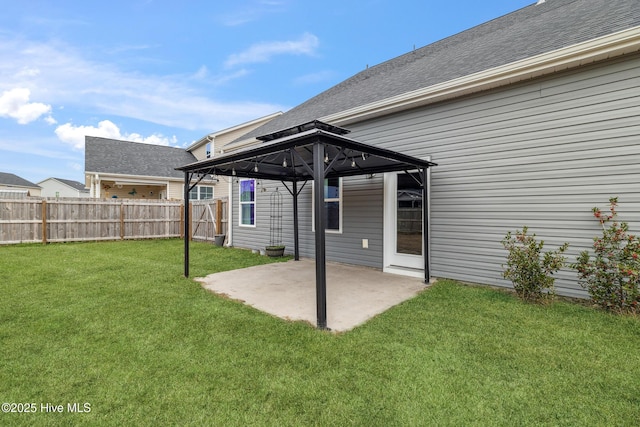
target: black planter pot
274 251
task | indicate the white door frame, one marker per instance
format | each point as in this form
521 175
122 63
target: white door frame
393 262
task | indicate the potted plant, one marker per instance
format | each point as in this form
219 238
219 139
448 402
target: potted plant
218 239
275 250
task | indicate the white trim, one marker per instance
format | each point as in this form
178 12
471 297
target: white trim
255 203
254 122
340 209
136 182
230 214
391 262
609 46
109 176
198 189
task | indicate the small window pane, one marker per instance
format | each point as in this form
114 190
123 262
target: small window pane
332 188
333 215
206 193
193 193
248 214
247 193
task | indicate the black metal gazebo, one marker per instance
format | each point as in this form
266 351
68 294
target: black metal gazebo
311 151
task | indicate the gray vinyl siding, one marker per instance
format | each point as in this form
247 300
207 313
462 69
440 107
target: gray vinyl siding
362 219
540 154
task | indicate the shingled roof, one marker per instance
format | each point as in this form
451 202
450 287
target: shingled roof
73 184
525 33
12 180
104 155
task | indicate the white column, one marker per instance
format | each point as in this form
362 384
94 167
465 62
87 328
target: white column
97 186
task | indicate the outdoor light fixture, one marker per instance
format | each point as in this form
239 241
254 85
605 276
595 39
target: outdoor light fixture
284 163
326 158
255 169
364 156
353 162
233 171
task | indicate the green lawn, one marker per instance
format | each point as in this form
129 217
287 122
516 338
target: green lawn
116 325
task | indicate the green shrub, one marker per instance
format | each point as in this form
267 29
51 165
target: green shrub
529 270
612 276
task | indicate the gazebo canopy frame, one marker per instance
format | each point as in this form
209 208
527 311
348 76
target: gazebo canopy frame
311 151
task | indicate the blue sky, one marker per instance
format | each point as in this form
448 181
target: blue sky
170 72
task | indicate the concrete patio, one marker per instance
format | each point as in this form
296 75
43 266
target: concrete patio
288 290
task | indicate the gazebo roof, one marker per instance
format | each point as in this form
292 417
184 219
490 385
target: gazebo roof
287 155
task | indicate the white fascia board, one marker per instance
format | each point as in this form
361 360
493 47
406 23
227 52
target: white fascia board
200 142
212 136
610 46
248 124
134 179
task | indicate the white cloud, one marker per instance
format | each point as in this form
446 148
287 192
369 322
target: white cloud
15 104
76 166
74 135
263 52
59 75
251 12
156 139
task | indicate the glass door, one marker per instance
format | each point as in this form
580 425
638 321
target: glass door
403 221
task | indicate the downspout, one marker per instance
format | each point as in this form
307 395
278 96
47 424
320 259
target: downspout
230 214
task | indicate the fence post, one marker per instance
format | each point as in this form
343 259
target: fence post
219 217
44 221
122 221
190 221
182 221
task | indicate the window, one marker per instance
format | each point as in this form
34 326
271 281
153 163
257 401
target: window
247 202
332 205
201 192
208 150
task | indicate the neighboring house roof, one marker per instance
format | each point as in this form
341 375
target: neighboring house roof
104 155
12 180
78 186
529 32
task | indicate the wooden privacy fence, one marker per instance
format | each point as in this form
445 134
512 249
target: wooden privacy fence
73 220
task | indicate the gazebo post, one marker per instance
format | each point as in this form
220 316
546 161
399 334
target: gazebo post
319 222
186 224
296 240
425 225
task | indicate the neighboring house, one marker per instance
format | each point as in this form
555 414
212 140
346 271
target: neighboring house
58 187
217 143
533 118
125 169
11 184
133 170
